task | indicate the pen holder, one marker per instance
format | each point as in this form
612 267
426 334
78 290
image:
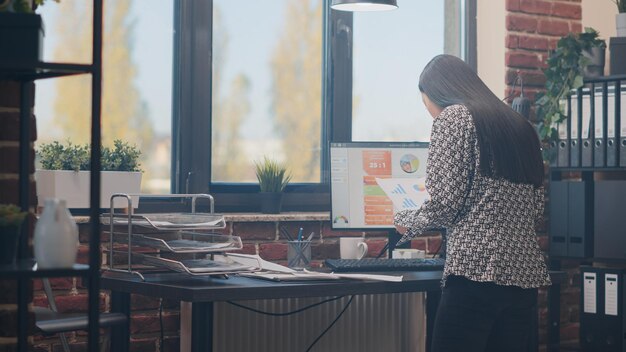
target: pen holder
298 254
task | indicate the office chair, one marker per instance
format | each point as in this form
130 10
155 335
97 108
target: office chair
49 321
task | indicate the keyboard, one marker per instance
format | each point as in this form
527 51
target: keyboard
385 264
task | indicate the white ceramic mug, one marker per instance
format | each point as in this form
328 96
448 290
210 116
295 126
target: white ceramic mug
352 248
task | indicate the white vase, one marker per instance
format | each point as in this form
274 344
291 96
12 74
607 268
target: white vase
620 24
56 236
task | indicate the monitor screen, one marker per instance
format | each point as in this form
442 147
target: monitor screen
357 201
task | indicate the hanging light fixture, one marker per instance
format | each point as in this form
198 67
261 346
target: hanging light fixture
364 5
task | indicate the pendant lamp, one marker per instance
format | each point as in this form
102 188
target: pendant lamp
364 5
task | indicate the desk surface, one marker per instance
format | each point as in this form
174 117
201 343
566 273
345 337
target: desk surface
206 289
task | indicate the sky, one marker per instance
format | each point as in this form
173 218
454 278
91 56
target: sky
390 49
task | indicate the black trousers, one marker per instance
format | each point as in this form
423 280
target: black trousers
482 316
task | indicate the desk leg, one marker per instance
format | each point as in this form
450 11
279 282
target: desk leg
196 327
432 303
120 334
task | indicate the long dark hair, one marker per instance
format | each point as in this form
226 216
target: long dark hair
509 145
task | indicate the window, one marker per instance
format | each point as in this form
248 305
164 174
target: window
137 80
266 88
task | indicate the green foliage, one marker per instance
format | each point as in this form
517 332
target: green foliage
621 5
563 74
272 176
11 215
55 156
21 6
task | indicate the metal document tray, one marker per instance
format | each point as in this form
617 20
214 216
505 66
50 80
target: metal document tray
195 266
169 221
190 242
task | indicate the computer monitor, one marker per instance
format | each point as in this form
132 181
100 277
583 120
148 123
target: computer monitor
357 201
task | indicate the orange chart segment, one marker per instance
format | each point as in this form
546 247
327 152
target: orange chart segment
378 207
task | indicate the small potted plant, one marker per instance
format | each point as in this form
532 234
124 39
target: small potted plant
11 218
620 18
567 65
273 177
64 173
21 31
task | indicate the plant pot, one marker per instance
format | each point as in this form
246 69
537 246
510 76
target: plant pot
73 187
271 202
9 236
620 24
596 62
21 38
618 56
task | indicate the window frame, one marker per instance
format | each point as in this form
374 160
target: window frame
192 107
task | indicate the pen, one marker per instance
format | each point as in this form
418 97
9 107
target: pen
300 234
310 236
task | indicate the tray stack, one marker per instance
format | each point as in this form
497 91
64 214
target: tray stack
185 242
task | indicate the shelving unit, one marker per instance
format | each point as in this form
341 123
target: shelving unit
583 158
24 269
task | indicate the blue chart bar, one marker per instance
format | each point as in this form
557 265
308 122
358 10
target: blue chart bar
409 203
398 190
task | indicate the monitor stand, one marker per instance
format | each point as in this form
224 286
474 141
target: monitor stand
393 237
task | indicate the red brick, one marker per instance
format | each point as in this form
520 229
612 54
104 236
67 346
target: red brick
150 323
9 192
533 43
521 23
530 78
434 245
553 27
82 256
512 41
140 302
10 97
524 60
248 248
255 230
560 9
293 228
9 160
10 131
569 331
273 251
143 345
535 7
512 5
328 249
575 27
327 231
63 283
75 303
8 291
171 344
544 243
419 243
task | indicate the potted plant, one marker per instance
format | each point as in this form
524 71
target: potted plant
567 65
620 18
273 177
65 172
11 218
21 31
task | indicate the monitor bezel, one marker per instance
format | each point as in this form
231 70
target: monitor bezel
365 144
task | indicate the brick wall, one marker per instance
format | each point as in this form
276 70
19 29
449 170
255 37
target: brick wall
533 28
9 194
260 235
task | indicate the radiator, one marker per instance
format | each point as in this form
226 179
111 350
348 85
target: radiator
372 323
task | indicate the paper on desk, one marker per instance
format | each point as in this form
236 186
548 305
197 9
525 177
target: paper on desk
255 259
405 193
312 275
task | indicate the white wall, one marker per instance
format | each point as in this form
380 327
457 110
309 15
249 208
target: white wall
491 36
600 15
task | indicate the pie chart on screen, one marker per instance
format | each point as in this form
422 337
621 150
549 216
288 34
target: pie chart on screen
409 163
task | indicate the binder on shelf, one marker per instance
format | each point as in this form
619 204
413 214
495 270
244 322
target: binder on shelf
558 218
621 103
611 142
579 219
586 148
599 137
563 143
574 126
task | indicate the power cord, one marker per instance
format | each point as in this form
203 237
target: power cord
301 310
331 324
285 313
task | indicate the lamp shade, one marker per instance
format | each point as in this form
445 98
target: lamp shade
364 5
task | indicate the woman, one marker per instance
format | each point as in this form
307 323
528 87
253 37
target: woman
485 179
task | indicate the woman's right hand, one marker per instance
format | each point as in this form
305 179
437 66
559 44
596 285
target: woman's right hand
401 229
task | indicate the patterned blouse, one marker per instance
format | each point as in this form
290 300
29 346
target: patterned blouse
490 222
